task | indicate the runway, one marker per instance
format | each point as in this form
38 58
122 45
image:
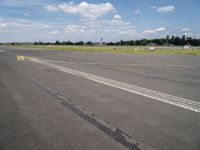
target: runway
79 100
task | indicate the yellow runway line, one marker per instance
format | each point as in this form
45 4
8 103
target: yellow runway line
23 58
20 58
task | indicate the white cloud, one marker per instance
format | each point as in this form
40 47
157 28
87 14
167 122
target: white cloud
22 24
149 31
27 14
46 26
23 30
161 29
117 17
51 8
186 30
137 11
109 29
166 9
3 25
75 29
84 9
128 32
102 24
188 34
54 32
153 7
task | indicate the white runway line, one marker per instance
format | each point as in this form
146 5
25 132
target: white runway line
162 97
1 51
66 62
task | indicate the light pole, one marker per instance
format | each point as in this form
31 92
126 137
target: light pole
101 41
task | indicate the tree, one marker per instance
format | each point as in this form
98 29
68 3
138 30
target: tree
130 43
69 43
183 42
79 43
189 40
57 42
177 41
172 40
40 43
158 41
111 43
167 39
137 42
195 42
89 43
122 42
144 42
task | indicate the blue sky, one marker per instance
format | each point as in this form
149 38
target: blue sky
50 20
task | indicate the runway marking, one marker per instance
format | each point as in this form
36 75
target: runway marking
20 58
162 97
24 58
56 61
2 51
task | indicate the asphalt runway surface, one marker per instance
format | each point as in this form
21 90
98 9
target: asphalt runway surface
67 100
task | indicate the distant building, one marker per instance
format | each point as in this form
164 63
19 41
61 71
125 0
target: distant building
152 44
152 48
187 47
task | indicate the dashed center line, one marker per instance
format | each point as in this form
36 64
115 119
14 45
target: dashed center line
162 97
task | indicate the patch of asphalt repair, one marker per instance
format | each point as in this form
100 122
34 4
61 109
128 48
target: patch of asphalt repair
113 132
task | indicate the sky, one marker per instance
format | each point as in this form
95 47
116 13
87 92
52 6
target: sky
91 20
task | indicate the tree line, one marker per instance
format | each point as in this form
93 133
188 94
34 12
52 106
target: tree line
173 40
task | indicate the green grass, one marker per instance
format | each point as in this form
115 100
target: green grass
119 49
